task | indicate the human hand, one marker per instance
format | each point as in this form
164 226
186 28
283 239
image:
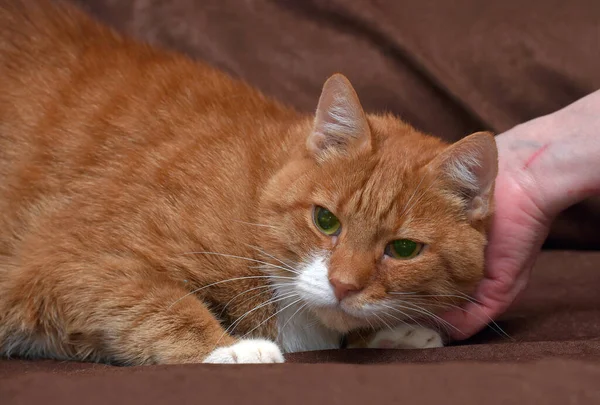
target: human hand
545 165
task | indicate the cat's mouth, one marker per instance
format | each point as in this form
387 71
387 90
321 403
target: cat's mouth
342 316
339 319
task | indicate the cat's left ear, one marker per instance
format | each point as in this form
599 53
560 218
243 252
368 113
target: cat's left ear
340 123
469 167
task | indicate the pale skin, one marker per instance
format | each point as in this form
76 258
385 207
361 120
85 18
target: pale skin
545 166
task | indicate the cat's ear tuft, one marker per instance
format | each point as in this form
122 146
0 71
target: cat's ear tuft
470 166
340 123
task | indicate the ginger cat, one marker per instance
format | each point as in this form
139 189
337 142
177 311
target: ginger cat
155 210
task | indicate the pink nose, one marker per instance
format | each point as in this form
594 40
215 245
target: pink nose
341 289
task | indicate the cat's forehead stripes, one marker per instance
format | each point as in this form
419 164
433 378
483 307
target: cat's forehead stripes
383 192
375 197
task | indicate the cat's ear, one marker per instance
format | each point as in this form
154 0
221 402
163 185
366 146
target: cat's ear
340 123
470 167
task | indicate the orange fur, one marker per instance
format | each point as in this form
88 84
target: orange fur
118 160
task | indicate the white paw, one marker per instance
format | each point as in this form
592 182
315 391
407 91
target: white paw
406 337
247 351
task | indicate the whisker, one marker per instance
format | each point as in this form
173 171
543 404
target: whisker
236 257
432 295
387 314
409 309
428 313
404 314
268 286
383 321
286 265
263 322
268 302
491 323
303 306
370 324
226 281
246 300
403 293
468 297
269 266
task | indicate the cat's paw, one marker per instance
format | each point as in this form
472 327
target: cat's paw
247 351
406 337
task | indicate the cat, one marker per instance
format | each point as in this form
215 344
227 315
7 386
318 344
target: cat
154 210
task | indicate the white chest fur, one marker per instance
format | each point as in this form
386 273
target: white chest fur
299 330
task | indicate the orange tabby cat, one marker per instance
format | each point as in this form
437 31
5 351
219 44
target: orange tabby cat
154 210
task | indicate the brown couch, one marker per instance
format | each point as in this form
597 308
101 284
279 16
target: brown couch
449 68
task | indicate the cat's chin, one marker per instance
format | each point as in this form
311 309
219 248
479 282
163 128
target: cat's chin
338 320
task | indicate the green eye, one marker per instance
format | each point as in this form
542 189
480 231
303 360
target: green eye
326 221
404 249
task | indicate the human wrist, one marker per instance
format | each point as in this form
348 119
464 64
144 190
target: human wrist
555 159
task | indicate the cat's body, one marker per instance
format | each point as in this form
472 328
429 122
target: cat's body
131 177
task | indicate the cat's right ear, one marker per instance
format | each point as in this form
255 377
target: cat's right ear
340 123
470 167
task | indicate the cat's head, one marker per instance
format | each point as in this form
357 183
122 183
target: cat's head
378 222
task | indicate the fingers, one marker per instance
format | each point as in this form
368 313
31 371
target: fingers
473 317
466 321
494 296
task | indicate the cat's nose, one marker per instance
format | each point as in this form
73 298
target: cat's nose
342 289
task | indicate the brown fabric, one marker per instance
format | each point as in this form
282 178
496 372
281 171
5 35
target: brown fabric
553 354
449 68
548 382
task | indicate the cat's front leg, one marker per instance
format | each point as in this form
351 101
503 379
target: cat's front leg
120 321
401 337
191 334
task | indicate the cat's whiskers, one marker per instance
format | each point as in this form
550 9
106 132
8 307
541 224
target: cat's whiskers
249 259
404 293
275 314
286 265
382 320
403 314
268 287
227 281
388 314
465 295
302 307
270 301
255 296
426 302
398 307
477 302
417 295
313 320
267 268
370 324
491 323
428 314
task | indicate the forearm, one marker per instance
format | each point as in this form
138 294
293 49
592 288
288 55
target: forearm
557 156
